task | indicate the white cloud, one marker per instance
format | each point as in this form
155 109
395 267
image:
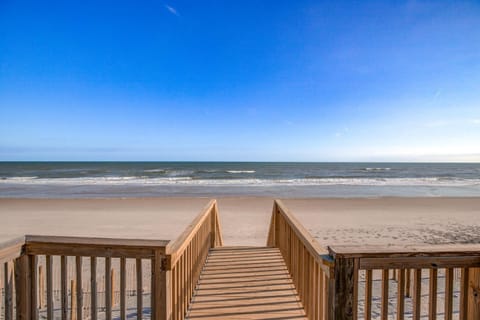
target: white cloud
172 10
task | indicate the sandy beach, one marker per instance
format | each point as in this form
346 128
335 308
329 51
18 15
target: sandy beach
245 221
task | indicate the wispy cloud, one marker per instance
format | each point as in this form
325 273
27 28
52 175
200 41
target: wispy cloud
172 10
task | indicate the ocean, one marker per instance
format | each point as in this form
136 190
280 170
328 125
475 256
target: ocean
221 179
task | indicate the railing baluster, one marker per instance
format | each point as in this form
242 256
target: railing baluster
49 280
368 294
448 293
408 280
139 289
417 293
123 285
64 287
78 267
108 289
464 293
400 294
385 279
432 295
93 288
33 261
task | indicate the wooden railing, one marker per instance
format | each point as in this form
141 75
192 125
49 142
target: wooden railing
165 273
10 252
338 282
309 264
186 257
356 268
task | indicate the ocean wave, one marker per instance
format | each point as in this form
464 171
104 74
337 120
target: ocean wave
144 180
378 169
240 171
155 170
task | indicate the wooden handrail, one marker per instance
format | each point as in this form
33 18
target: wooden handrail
98 247
185 258
308 263
11 249
175 249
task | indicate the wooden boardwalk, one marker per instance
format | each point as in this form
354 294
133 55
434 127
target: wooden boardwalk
245 283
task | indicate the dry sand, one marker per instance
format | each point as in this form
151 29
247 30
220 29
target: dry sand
245 221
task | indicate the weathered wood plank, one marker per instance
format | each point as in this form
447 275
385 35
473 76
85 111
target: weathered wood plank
401 294
448 294
344 289
49 280
385 280
93 286
464 282
22 287
474 294
139 289
417 291
432 295
108 289
368 294
123 286
79 289
63 287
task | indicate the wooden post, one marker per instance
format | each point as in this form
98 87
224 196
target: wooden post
474 294
73 300
22 288
345 289
32 264
161 293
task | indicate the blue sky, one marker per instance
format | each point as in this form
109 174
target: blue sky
240 80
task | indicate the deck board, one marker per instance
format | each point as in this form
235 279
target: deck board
245 283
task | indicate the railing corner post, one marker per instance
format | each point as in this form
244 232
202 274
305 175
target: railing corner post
23 287
162 291
474 294
344 291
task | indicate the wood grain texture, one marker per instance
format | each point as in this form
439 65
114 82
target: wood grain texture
239 283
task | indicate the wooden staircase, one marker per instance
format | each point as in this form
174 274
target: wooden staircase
245 283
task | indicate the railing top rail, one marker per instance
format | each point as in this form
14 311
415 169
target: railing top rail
308 240
11 249
95 247
176 247
96 241
382 251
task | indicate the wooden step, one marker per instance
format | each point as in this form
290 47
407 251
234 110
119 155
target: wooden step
245 283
